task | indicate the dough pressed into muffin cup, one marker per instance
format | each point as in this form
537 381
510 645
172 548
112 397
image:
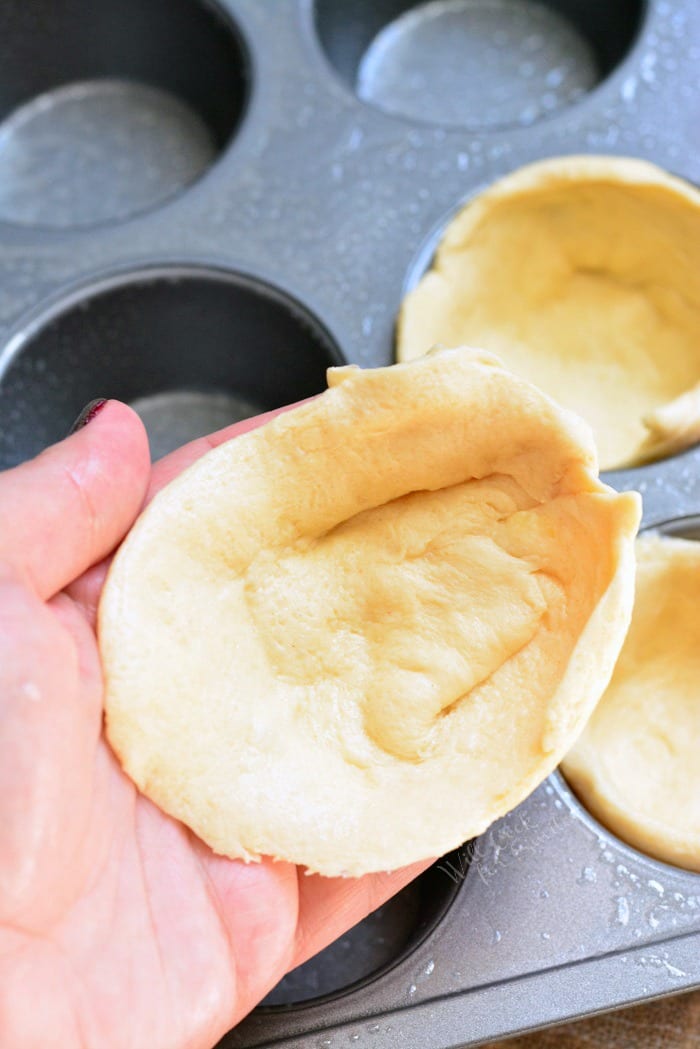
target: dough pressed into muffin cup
583 274
357 635
636 764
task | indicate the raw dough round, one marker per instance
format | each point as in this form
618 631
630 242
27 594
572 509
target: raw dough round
636 766
583 274
356 636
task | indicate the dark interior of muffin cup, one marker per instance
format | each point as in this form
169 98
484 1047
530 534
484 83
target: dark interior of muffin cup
594 36
183 71
172 341
186 47
384 939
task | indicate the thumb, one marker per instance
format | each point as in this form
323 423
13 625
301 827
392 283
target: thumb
69 507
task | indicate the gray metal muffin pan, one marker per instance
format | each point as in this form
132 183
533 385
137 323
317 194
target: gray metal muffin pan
202 205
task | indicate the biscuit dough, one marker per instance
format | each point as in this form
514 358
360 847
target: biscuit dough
636 766
356 636
583 274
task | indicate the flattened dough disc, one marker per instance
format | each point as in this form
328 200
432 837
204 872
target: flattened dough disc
583 274
359 634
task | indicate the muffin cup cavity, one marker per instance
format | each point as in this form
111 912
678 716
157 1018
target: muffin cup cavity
117 108
384 939
191 349
604 777
580 273
479 64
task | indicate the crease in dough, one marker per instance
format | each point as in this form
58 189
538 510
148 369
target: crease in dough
583 274
636 764
379 625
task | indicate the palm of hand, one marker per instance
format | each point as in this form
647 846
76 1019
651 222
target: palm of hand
118 927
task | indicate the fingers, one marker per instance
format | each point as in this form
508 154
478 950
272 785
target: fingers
328 907
65 510
86 590
257 904
50 719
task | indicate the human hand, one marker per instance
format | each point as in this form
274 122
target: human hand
118 927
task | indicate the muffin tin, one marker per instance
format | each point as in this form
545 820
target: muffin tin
203 205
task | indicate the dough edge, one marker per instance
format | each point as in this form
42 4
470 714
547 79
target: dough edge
672 426
569 708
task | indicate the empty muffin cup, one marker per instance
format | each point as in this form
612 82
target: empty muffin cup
110 108
583 274
475 63
382 940
635 766
191 349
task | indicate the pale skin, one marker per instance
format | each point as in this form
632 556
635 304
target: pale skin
119 929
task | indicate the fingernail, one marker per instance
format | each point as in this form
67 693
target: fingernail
91 409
